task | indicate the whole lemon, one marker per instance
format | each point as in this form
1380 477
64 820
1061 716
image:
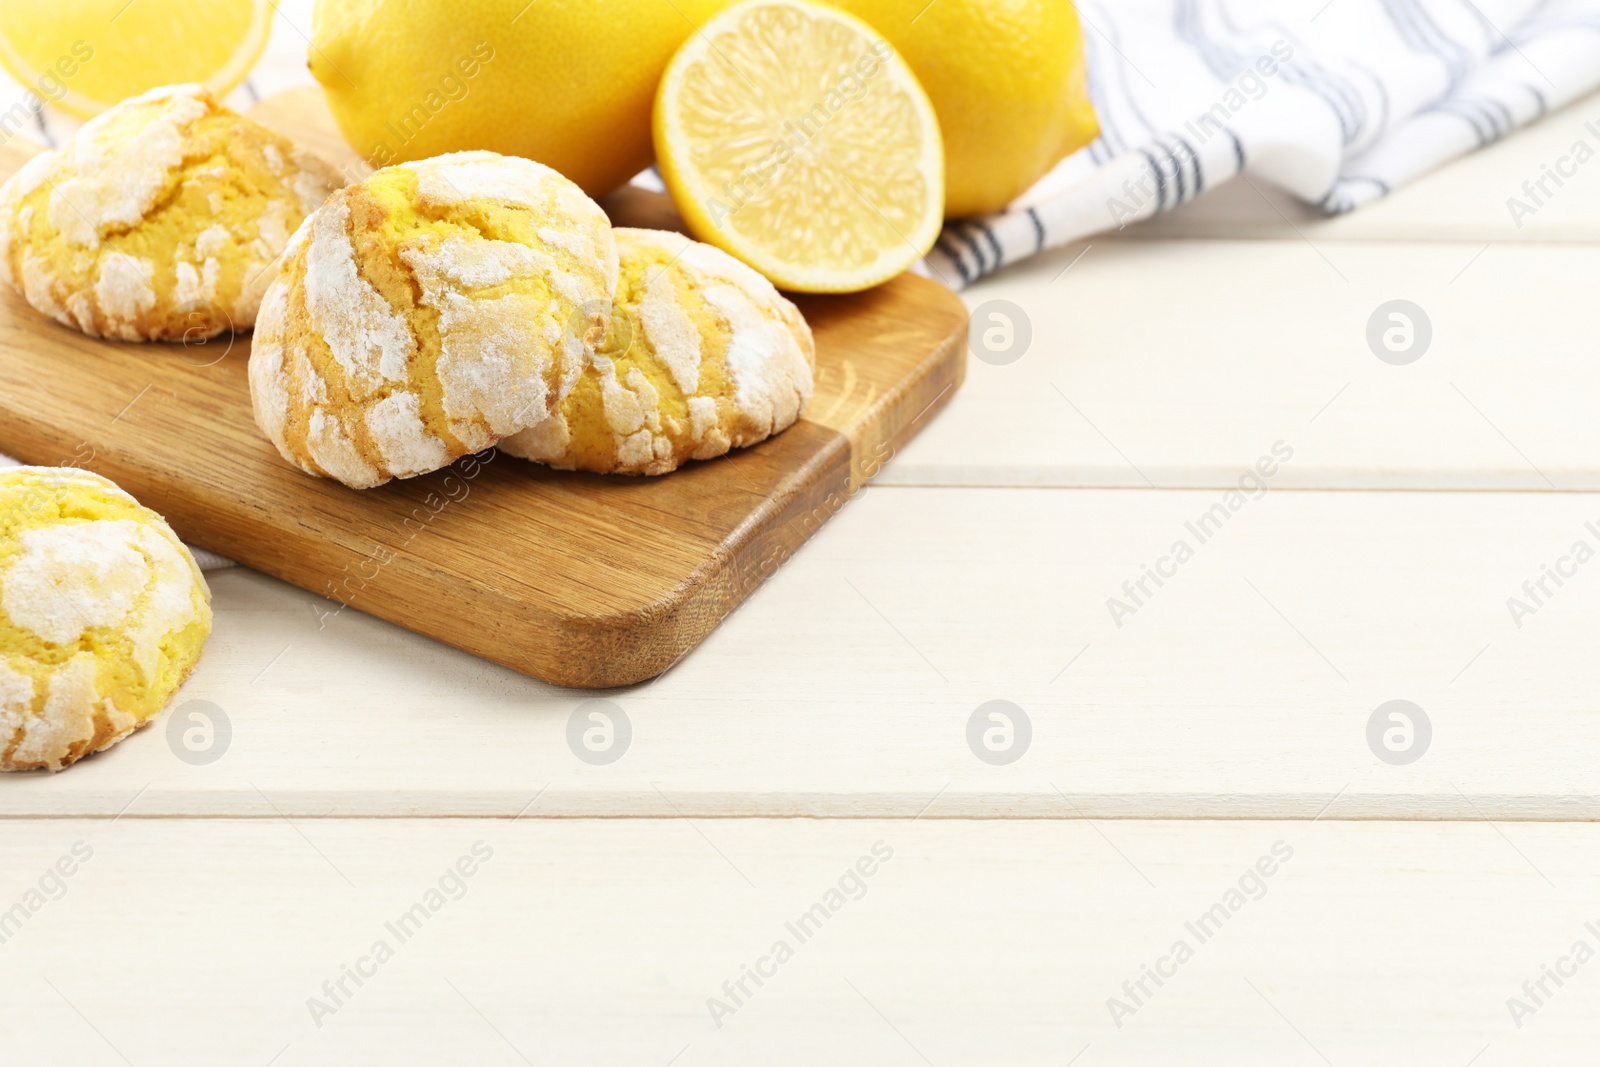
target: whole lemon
568 83
1008 81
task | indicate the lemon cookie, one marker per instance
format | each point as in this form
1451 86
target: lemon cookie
159 221
427 312
102 615
703 355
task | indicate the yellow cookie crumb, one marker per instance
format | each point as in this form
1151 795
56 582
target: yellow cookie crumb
427 312
160 220
703 355
102 615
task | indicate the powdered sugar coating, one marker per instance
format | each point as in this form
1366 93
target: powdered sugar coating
71 577
399 337
672 334
123 289
371 342
269 384
396 425
102 612
717 359
770 374
121 162
158 220
17 694
73 709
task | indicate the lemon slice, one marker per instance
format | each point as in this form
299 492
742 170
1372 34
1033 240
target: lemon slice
794 137
85 55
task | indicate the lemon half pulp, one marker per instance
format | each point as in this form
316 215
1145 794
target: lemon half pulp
795 138
85 55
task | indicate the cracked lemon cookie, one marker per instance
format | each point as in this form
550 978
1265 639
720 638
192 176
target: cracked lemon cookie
102 615
703 355
159 221
428 312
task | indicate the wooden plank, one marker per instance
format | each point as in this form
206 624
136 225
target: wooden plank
602 941
578 579
1241 688
1176 363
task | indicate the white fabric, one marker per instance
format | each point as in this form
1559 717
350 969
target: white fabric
1337 105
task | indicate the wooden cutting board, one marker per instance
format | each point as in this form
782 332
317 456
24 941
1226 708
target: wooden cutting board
578 579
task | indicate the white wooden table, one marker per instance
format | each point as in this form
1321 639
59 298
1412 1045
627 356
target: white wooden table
1214 728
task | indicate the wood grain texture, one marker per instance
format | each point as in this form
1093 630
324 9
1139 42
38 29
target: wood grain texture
577 579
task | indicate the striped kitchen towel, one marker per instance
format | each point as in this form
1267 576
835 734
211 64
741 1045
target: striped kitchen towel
1335 101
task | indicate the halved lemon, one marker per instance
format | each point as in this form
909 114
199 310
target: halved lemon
85 55
794 137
